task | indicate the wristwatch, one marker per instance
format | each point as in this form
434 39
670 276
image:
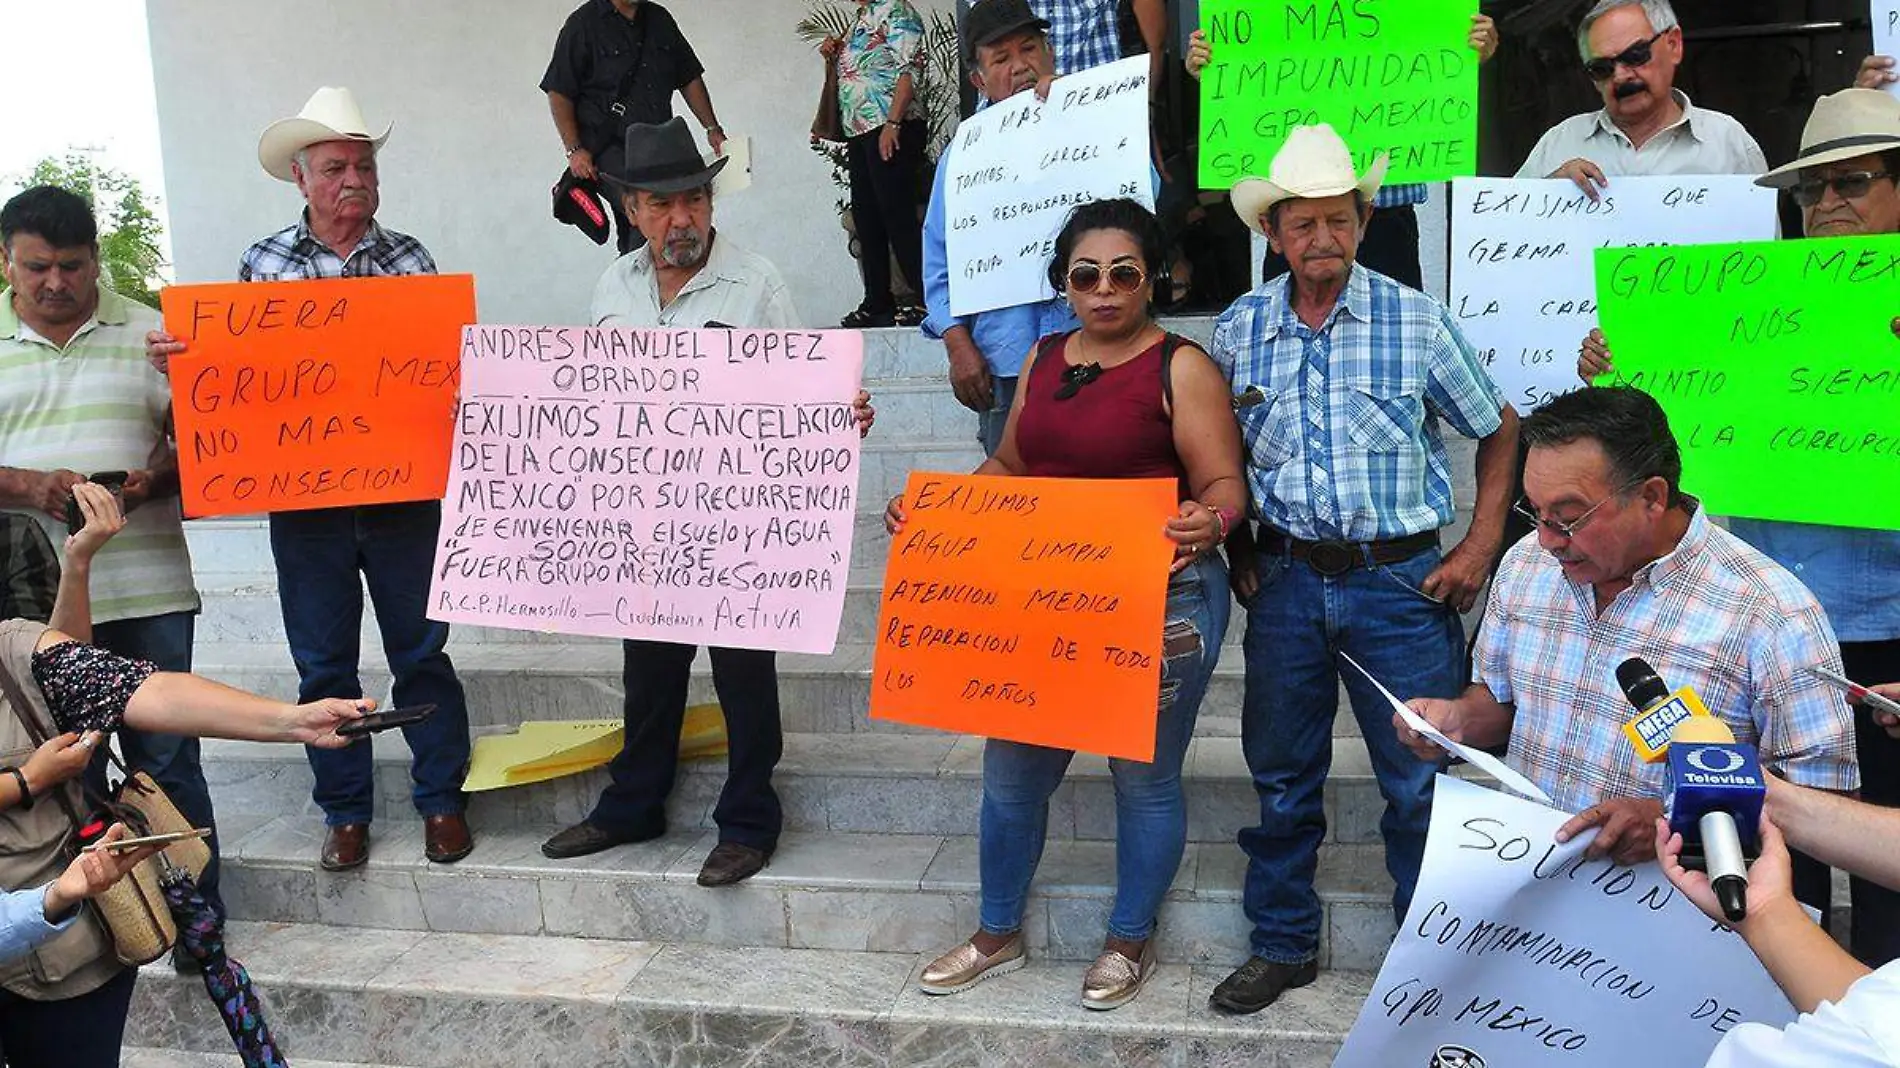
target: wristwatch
26 792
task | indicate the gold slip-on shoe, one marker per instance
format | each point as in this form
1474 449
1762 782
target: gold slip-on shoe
1114 980
964 967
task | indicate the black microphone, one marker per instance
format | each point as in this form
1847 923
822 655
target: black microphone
1641 684
1659 711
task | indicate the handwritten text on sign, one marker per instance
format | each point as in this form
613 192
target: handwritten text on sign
1391 76
1523 952
296 395
1778 367
693 486
1523 272
1017 169
1886 21
1014 609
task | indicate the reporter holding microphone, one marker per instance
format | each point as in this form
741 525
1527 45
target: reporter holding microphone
1851 1015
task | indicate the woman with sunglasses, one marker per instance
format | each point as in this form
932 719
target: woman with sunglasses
1119 398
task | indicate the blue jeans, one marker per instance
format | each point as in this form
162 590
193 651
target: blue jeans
1150 810
991 424
1296 624
171 759
319 554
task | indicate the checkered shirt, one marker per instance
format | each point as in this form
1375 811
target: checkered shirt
1714 615
1341 423
30 569
293 253
1082 33
1399 196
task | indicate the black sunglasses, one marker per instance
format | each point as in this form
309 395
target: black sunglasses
1084 276
1850 186
1603 68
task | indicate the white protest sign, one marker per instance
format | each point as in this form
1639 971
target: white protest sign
1522 952
1017 168
1523 280
1885 16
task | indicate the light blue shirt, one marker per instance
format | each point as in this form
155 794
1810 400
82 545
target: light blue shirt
1854 573
23 926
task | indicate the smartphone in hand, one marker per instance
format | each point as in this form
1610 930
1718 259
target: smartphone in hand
111 480
382 721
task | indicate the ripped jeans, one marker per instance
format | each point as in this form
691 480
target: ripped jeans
1150 809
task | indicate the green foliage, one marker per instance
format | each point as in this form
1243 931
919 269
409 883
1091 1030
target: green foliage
129 230
936 92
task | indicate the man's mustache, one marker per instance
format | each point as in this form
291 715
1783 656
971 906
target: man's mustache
1625 90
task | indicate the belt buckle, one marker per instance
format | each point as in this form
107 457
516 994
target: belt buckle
618 108
1332 558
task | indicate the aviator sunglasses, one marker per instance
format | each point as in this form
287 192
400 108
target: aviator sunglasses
1084 276
1603 68
1850 186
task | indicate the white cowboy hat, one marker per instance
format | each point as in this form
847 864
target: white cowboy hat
1313 163
330 114
1852 122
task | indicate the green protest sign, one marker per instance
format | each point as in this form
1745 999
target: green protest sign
1777 365
1389 75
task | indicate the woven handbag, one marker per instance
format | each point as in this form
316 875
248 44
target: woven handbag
133 909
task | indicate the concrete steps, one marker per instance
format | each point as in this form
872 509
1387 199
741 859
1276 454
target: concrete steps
496 1001
926 783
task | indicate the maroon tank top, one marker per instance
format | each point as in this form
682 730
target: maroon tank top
1113 427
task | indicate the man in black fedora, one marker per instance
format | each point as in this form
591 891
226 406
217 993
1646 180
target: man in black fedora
687 275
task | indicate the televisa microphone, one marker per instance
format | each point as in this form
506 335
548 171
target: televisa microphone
1658 710
1715 794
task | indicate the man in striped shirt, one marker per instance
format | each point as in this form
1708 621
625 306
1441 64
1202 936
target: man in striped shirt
78 399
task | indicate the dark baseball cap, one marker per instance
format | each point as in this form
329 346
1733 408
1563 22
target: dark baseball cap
992 20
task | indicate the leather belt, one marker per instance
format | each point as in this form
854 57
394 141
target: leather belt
1333 558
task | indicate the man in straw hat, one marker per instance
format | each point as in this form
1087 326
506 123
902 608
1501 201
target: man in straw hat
1341 377
1843 180
687 275
329 153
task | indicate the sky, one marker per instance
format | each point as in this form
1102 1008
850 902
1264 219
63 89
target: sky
89 66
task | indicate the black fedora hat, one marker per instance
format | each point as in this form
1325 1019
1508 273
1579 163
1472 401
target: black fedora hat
662 159
992 20
577 203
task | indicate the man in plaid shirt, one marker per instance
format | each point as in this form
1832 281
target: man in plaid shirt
325 556
1341 377
29 569
1625 564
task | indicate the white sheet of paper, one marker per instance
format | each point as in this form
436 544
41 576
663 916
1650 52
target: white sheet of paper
1523 266
736 175
1484 761
1885 15
1527 953
1019 167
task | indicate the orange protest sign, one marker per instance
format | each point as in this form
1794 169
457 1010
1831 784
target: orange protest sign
294 395
1028 609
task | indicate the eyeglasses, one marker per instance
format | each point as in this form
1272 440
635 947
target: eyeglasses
1603 68
1569 530
1849 186
1085 276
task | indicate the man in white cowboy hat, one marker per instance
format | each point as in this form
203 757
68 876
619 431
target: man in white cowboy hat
328 151
1341 377
1843 179
687 274
1631 50
76 400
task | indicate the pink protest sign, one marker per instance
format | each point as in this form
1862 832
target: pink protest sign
693 486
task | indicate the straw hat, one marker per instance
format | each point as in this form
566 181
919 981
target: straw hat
330 114
1314 163
1850 123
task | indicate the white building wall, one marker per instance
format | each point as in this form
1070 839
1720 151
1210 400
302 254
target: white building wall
469 166
474 152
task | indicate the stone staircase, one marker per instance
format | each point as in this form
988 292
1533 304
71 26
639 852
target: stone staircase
508 958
